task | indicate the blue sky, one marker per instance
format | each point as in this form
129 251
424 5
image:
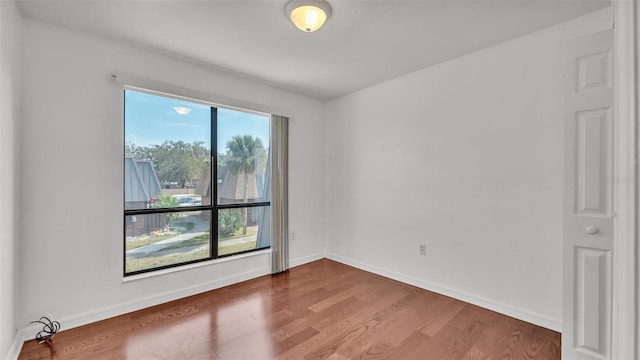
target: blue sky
151 119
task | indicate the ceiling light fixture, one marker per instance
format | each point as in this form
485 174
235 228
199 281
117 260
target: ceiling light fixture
308 15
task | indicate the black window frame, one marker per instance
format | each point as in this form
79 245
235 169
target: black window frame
214 207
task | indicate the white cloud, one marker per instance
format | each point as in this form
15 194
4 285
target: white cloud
182 110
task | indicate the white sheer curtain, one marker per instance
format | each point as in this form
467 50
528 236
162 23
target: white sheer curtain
264 213
279 149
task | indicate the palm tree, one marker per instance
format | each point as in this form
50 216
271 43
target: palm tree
246 155
168 201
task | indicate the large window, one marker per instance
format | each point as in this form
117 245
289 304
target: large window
196 182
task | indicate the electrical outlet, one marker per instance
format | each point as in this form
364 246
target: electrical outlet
292 236
423 249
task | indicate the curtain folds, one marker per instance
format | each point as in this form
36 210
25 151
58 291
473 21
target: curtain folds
279 193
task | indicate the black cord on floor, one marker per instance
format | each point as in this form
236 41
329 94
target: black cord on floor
48 331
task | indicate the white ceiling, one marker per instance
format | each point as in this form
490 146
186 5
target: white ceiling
364 42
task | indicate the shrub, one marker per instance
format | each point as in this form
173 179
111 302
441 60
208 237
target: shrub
229 221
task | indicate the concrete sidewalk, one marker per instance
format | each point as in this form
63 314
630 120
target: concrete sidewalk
200 228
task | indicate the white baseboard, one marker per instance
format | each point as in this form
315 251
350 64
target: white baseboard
512 311
92 316
71 322
306 260
16 346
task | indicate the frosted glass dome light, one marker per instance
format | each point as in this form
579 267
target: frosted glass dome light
308 15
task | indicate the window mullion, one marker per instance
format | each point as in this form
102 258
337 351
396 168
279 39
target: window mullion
244 205
213 226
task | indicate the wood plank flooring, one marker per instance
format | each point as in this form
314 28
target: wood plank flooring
321 310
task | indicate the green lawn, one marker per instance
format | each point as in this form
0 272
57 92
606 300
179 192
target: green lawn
196 254
251 231
149 263
224 250
204 239
144 240
198 240
147 240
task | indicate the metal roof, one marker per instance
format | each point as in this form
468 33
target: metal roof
140 180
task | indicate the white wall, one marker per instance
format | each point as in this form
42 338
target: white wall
72 175
10 58
466 157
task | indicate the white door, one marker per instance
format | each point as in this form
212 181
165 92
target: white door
588 214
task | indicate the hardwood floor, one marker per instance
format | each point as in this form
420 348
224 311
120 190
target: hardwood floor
321 310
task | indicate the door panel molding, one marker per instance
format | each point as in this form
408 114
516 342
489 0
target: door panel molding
594 71
594 132
593 282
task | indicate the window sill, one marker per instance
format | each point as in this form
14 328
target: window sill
172 270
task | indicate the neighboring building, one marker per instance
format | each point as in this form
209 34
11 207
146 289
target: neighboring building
231 189
203 189
140 186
